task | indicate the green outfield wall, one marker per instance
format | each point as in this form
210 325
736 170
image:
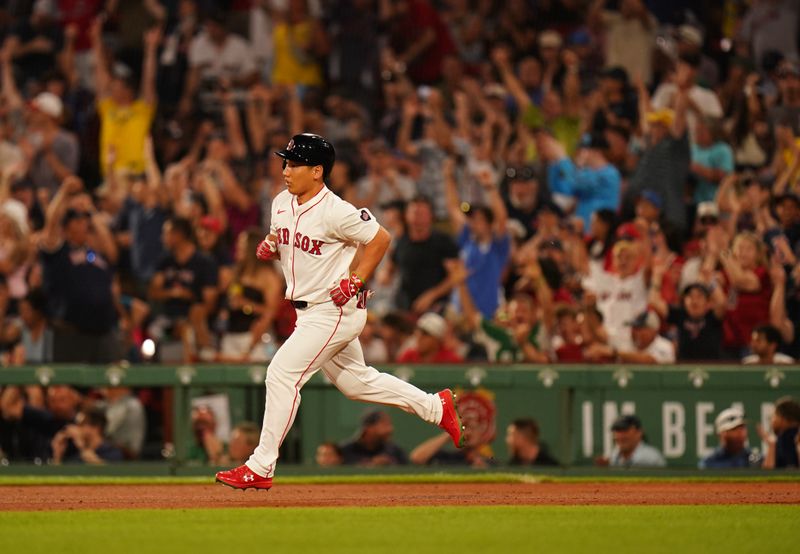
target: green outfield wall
574 405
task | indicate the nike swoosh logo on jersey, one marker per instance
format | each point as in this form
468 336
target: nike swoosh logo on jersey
281 211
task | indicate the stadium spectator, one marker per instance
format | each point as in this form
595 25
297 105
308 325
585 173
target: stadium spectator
430 343
782 439
746 279
87 438
482 238
629 35
524 447
664 163
648 346
49 152
78 254
764 343
299 42
630 450
35 419
593 185
373 445
206 446
251 302
619 293
35 344
712 159
328 454
126 423
732 451
703 102
185 285
421 258
243 440
517 333
433 452
125 118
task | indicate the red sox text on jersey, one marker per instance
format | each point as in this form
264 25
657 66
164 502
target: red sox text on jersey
304 243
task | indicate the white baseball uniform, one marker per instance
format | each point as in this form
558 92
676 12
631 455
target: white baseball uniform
317 242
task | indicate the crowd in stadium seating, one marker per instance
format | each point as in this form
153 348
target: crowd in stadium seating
564 181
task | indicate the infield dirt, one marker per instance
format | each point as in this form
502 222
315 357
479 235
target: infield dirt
94 497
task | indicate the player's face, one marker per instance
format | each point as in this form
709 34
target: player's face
300 179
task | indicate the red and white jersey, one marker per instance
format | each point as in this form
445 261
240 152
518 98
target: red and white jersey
317 241
619 299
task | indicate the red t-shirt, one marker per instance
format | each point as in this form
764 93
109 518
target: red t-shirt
443 356
427 66
570 353
746 310
81 13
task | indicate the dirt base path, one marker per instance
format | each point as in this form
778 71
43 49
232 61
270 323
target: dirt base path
70 497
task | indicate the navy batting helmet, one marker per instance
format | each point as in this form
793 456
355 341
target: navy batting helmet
310 149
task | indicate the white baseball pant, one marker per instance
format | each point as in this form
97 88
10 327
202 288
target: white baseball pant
326 337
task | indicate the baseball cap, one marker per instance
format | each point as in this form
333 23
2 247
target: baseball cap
432 324
495 90
625 422
696 285
707 209
211 223
309 149
646 320
728 419
653 197
49 104
550 39
690 34
628 231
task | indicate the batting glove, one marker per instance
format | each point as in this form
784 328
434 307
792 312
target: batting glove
347 289
267 249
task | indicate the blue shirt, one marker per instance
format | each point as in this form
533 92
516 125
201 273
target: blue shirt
485 263
593 188
721 459
717 156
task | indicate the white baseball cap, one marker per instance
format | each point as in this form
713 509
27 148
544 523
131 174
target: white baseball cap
432 324
728 419
690 34
550 39
707 209
49 104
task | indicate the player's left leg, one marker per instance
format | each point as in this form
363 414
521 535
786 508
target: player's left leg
358 381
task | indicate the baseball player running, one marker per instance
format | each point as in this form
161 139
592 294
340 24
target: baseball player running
315 234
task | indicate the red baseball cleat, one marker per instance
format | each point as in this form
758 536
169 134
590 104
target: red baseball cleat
243 478
451 421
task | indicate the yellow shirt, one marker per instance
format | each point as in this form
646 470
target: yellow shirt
293 66
788 158
124 129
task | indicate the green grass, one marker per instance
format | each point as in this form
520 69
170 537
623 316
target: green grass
606 477
503 529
